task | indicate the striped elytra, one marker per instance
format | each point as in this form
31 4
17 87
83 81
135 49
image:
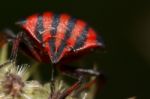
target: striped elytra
60 34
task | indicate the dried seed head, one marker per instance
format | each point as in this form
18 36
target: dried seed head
13 85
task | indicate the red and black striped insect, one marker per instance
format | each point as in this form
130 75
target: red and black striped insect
56 39
59 35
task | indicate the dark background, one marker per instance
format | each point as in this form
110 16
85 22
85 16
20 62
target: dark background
125 28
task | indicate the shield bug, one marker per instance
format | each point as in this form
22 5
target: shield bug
59 36
56 38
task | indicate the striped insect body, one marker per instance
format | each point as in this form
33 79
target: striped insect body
60 34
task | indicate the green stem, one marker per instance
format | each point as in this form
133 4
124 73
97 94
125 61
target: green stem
4 53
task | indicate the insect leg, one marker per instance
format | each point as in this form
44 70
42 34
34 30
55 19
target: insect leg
85 73
76 72
16 43
30 48
9 37
52 81
75 86
100 82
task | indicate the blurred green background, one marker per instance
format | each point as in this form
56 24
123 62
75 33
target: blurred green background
125 28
